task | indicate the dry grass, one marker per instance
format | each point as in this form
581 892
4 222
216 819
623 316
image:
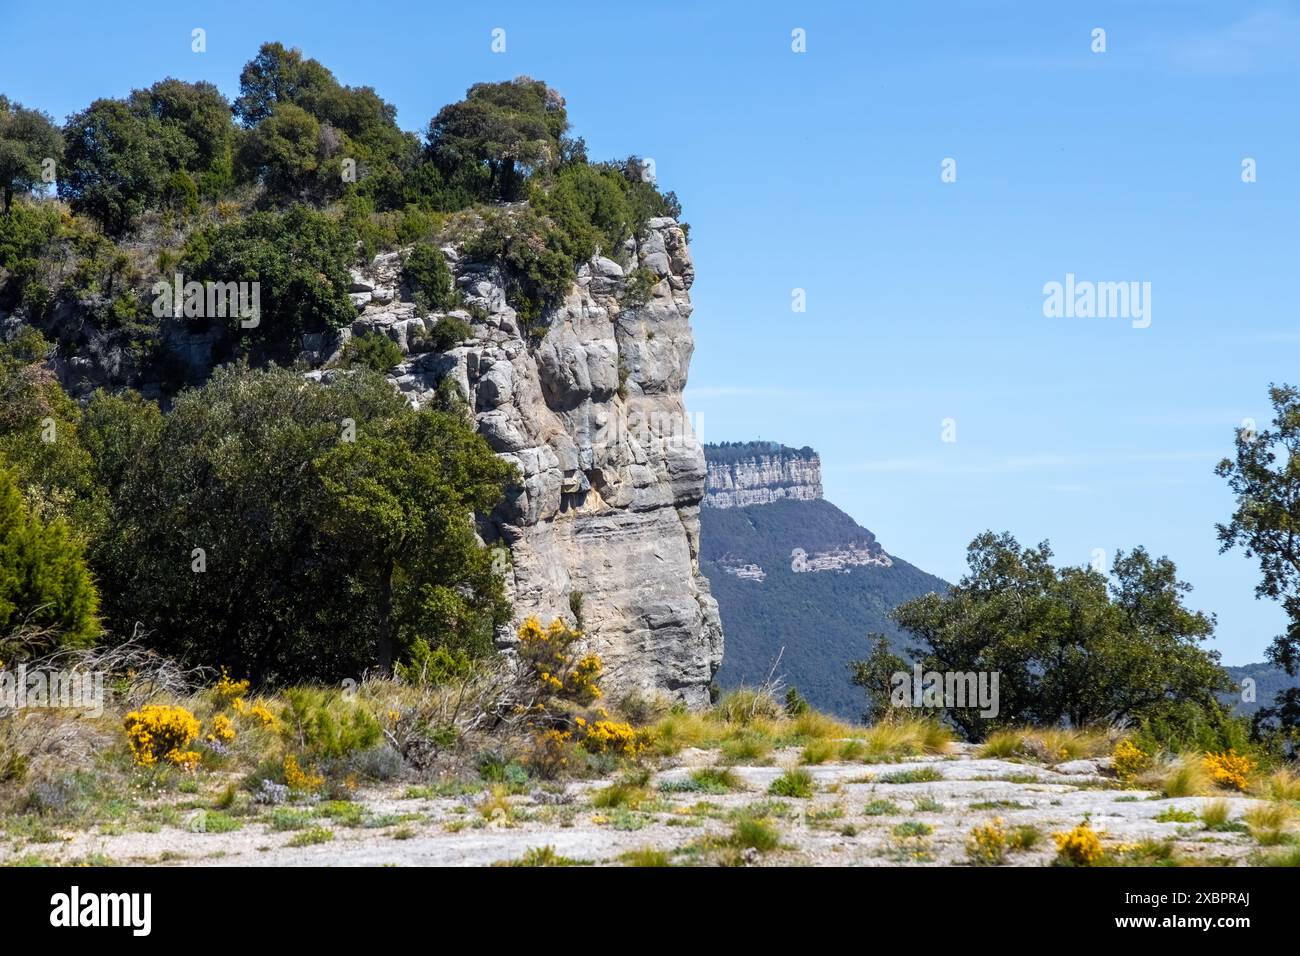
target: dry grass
1281 785
1268 823
1215 814
1049 745
1181 776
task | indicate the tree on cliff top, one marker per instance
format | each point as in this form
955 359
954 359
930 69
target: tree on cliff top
514 127
27 139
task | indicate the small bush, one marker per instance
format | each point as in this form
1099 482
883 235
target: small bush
311 837
448 332
756 834
1215 814
374 351
157 732
749 746
916 775
745 704
1268 823
881 808
796 705
793 783
553 663
1230 769
1282 785
1078 847
429 277
326 725
819 751
612 737
639 287
1130 760
647 857
1183 776
543 856
987 844
1024 837
717 780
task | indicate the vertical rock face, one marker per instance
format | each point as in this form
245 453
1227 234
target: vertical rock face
758 473
612 473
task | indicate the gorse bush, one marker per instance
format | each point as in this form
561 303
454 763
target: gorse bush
1229 769
557 670
1078 847
157 732
987 843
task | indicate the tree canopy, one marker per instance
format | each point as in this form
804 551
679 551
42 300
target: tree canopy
27 139
1069 646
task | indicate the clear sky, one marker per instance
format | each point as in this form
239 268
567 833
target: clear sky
821 171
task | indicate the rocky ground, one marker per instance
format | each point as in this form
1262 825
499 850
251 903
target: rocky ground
916 812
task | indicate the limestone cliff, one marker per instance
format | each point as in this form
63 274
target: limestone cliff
758 473
592 414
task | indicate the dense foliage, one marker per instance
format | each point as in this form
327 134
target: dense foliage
294 530
46 591
1069 645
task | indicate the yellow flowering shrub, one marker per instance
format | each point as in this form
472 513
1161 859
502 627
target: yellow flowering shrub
223 731
157 732
228 689
549 654
987 843
1230 769
608 736
1130 759
1080 846
298 779
255 711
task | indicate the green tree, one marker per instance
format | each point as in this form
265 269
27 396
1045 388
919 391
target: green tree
277 75
197 111
115 163
27 139
1264 477
291 153
332 524
1068 646
512 127
46 589
299 260
409 491
41 440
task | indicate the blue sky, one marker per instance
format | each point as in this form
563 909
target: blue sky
821 171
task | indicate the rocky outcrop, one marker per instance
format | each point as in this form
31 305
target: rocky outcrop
738 478
611 475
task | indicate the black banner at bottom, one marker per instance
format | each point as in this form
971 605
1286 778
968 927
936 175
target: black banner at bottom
149 906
